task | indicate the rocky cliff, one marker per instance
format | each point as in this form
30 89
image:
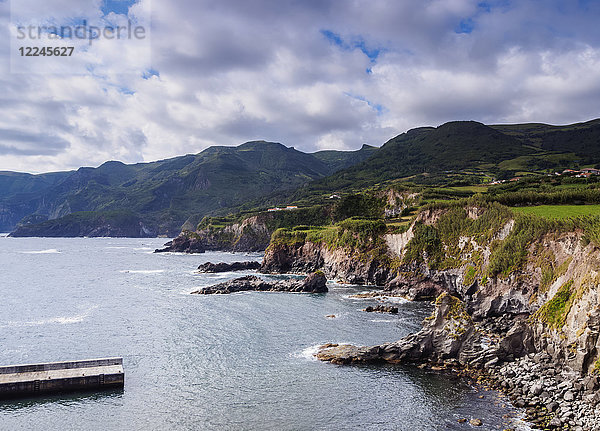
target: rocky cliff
510 290
90 224
252 234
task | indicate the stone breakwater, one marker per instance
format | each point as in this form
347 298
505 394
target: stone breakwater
314 283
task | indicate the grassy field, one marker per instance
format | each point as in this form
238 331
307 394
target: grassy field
474 189
560 211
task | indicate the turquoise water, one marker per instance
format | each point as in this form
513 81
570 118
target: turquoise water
223 362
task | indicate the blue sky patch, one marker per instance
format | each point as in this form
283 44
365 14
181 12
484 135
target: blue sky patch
466 26
380 109
356 43
150 73
120 7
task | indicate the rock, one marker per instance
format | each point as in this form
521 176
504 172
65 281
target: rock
555 422
569 396
210 267
415 287
476 422
552 406
461 420
307 257
448 334
537 388
314 283
331 316
381 309
183 244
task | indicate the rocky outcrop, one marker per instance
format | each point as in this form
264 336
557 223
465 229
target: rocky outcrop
210 267
314 283
419 286
250 235
338 263
381 309
448 334
183 244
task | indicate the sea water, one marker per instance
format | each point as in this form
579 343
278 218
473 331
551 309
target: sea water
223 362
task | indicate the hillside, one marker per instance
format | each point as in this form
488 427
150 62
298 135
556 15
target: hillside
178 193
465 152
164 194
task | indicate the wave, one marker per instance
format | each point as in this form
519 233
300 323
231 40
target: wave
382 320
309 353
50 251
394 299
60 320
142 271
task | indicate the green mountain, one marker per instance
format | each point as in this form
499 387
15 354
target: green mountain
467 151
162 194
338 160
161 197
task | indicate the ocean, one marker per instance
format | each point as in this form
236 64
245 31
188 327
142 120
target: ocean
222 362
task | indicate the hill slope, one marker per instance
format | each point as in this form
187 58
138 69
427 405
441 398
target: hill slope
164 193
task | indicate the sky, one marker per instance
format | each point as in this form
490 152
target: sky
312 74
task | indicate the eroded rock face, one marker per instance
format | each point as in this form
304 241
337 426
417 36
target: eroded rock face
210 267
448 334
314 283
336 264
417 286
183 244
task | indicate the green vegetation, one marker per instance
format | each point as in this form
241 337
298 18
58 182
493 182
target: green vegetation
560 211
554 312
113 223
223 185
356 234
166 193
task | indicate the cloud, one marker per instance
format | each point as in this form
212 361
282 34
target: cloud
310 74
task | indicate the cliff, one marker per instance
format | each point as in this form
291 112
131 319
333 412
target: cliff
511 290
248 235
352 251
89 224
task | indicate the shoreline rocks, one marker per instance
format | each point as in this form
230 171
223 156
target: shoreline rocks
381 309
554 397
212 268
183 244
314 283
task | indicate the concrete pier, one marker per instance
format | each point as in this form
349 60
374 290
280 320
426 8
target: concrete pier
36 379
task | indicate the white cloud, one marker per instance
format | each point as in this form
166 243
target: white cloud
236 71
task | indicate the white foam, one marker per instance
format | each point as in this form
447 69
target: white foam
142 271
382 320
50 251
394 299
309 353
143 249
60 320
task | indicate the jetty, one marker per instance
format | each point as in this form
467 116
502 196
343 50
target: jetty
58 377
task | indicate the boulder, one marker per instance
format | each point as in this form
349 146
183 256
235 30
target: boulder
314 283
381 309
210 267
